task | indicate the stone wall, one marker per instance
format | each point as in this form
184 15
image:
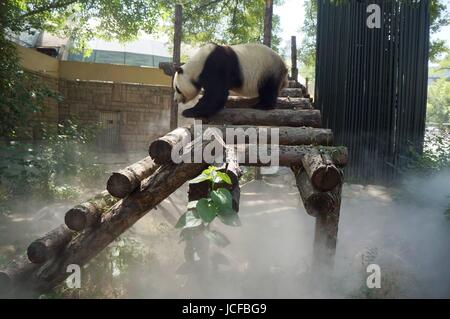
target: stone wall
143 109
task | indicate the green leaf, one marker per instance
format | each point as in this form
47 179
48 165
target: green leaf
181 221
223 199
192 220
200 178
230 219
216 237
206 210
223 178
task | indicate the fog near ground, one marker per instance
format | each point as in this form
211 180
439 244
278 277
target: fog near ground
406 233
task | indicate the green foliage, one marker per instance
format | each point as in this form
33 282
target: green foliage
436 152
43 168
229 22
108 274
438 101
196 221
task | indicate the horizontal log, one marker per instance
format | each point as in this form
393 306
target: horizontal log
291 92
251 155
234 102
160 150
49 245
275 117
240 134
118 219
316 203
89 213
324 175
294 84
123 182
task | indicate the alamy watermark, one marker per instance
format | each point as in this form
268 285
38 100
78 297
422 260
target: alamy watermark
252 145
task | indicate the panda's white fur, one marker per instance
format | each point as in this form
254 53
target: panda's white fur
255 64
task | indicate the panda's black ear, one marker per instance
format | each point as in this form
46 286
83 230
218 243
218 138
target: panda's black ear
179 70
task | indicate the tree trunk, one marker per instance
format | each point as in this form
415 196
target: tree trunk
294 70
268 14
321 170
275 117
176 59
161 149
49 245
123 182
14 275
89 213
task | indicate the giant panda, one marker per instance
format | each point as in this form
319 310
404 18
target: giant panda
250 70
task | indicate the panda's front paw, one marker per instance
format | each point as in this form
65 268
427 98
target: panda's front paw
192 112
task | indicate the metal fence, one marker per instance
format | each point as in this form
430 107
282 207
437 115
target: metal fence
371 83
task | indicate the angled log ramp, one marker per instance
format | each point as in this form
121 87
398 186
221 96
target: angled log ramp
117 220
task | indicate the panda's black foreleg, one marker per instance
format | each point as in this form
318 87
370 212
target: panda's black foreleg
268 93
212 102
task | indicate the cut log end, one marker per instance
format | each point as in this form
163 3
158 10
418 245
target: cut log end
326 178
119 185
37 252
318 204
160 151
76 218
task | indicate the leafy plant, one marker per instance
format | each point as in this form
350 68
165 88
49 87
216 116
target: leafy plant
201 213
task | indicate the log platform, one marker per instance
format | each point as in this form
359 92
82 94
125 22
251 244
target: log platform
302 144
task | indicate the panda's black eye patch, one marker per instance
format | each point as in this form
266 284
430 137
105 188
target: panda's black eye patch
177 89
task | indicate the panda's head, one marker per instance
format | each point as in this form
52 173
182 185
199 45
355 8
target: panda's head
184 87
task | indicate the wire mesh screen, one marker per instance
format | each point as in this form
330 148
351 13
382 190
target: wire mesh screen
371 82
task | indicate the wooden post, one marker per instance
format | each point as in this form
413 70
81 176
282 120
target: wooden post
268 23
325 237
294 70
176 60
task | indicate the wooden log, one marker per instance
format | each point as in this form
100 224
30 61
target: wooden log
123 182
316 203
239 134
291 92
293 103
324 175
268 14
161 149
287 155
118 219
89 213
326 234
49 245
176 57
274 117
294 70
